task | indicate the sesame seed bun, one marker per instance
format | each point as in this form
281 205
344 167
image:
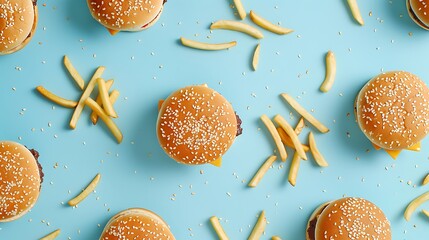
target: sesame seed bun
18 22
196 125
126 15
19 181
419 12
348 219
392 110
136 223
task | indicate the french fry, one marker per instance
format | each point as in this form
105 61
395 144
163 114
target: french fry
240 9
291 133
207 46
93 116
56 99
52 235
267 25
85 193
411 208
85 95
320 160
355 11
218 228
259 227
106 119
299 126
425 212
276 137
294 167
287 141
275 238
74 73
255 60
425 180
114 95
331 70
261 171
295 105
237 26
104 94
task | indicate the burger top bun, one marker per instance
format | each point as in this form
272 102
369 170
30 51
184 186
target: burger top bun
136 223
419 12
17 20
125 15
19 181
392 110
196 125
352 218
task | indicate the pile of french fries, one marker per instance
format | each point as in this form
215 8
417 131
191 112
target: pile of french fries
284 135
239 27
256 233
102 107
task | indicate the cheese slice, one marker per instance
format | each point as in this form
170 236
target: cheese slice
112 32
217 162
416 147
393 153
376 147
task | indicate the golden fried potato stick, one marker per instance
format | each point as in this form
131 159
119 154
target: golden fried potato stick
267 25
218 228
85 193
56 99
104 94
207 46
411 208
275 135
261 171
320 160
259 227
238 27
85 95
255 60
52 235
291 133
295 105
240 9
74 73
294 168
106 119
331 71
93 116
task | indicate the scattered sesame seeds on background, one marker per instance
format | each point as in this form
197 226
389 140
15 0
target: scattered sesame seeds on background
149 65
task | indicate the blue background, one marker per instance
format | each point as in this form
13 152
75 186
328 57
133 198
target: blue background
148 66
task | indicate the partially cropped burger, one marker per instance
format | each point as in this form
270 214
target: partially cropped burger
18 22
392 110
348 219
419 12
136 223
197 125
21 177
119 15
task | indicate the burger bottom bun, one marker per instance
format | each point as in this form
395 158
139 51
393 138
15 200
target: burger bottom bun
314 216
28 39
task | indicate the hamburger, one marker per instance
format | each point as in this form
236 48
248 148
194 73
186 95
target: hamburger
419 12
392 110
136 223
196 125
119 15
348 219
21 177
18 22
